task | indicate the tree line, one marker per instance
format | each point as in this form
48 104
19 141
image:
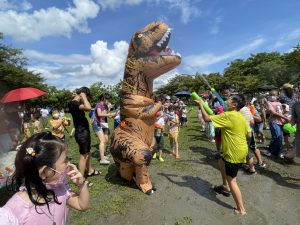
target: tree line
247 75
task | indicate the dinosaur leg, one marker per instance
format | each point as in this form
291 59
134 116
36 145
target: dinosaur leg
126 170
142 178
141 161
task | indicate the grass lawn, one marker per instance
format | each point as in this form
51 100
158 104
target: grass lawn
111 195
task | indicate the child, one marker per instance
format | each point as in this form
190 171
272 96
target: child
258 123
39 180
117 118
234 133
249 115
159 135
173 124
58 125
26 126
37 125
183 115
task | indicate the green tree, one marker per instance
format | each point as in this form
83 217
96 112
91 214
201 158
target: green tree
12 72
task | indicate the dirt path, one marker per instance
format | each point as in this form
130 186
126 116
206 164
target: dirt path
186 197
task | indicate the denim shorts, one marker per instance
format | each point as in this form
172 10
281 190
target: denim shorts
97 128
258 127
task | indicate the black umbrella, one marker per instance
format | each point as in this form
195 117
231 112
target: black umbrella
266 87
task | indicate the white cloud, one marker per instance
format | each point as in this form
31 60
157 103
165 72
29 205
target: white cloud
70 71
187 8
286 38
56 58
14 5
216 25
106 62
48 22
164 79
195 62
113 4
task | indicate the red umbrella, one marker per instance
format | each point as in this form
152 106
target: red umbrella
21 94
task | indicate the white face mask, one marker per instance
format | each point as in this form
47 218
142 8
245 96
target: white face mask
55 115
272 98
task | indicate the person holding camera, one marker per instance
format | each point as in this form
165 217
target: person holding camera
77 107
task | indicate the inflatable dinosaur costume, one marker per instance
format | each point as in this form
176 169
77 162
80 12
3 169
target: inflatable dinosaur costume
132 145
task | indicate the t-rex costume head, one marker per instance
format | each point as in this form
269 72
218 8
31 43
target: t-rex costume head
148 58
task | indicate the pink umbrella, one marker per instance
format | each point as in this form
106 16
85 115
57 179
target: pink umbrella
21 94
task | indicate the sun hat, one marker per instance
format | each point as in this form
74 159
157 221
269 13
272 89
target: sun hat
287 85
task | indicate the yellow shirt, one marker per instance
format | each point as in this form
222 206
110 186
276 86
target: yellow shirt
59 131
234 129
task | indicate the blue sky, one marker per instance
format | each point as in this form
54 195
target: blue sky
79 42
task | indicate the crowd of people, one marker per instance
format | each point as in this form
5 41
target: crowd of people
236 127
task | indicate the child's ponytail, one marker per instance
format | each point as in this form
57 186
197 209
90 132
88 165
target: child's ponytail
41 149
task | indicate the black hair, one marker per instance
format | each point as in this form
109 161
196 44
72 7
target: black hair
48 149
36 115
83 90
104 96
288 92
239 99
225 87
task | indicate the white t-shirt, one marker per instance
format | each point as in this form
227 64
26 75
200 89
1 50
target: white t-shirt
44 112
183 112
246 114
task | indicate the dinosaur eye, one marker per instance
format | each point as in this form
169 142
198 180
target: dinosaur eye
140 35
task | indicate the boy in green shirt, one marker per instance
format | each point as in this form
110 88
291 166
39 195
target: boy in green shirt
234 134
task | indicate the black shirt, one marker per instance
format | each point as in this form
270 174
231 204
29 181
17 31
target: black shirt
78 115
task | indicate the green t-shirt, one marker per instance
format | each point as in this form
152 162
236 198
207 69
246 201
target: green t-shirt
234 129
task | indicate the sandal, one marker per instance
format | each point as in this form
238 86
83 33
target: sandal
221 190
94 173
250 171
237 212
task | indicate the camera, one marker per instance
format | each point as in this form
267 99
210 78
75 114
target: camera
83 90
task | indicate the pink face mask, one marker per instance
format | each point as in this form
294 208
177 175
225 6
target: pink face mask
61 179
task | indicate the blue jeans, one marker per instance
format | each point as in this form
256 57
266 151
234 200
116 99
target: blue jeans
276 140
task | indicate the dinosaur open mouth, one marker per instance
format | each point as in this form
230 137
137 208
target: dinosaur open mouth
161 47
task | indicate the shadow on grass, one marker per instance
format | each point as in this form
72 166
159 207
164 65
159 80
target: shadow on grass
279 179
200 186
114 177
209 158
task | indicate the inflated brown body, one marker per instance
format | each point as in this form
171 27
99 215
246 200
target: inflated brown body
132 145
